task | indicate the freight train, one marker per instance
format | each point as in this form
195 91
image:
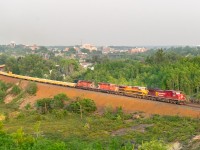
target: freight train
169 96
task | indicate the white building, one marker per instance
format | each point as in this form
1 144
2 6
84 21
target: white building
90 47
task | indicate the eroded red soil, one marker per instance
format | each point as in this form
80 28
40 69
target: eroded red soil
103 100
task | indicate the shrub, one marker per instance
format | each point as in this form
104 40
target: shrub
2 95
3 86
84 105
59 114
44 105
28 106
58 100
153 145
74 107
15 90
108 112
32 88
117 114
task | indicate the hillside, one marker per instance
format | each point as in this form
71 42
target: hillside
44 126
102 100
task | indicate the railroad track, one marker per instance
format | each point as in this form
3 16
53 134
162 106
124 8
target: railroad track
58 83
188 104
193 105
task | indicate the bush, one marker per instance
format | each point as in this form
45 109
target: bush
28 106
59 114
15 90
2 95
109 112
21 141
84 105
58 100
3 86
44 105
153 145
117 114
32 88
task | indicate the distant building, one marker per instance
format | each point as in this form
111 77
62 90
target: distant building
90 47
12 44
106 50
33 47
66 49
58 54
86 65
137 50
76 48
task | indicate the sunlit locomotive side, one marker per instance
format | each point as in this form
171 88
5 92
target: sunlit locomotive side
170 96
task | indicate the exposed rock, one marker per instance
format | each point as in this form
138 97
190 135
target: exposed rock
9 98
128 121
136 116
2 117
123 131
196 138
175 146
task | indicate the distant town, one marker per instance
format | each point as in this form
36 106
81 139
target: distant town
82 53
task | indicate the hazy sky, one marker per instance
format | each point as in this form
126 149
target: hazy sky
100 22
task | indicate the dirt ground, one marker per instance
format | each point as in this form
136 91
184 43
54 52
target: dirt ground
103 100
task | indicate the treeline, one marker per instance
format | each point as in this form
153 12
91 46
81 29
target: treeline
55 68
165 70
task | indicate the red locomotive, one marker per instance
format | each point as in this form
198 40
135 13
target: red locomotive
168 95
108 87
85 84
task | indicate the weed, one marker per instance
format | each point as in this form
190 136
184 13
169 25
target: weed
31 88
15 90
28 106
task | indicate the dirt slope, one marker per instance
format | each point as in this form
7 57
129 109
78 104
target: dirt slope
102 100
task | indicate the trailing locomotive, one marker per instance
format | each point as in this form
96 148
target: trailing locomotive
137 90
169 96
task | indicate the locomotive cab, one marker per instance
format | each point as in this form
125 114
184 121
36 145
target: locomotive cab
180 95
144 90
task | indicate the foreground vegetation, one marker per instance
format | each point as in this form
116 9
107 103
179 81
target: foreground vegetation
62 123
113 130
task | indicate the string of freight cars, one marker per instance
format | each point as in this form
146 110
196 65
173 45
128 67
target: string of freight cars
169 96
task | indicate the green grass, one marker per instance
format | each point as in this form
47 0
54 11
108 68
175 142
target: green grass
61 129
94 128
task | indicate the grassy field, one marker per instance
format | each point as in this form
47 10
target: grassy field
109 131
53 124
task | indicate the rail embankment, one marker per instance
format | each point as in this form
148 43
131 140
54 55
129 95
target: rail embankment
108 100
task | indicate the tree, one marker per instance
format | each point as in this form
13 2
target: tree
82 106
31 88
59 100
